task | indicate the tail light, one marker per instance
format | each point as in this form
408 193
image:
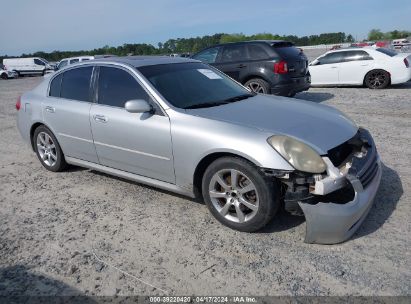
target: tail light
407 64
4 68
280 67
18 103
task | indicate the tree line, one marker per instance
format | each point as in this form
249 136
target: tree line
195 44
376 34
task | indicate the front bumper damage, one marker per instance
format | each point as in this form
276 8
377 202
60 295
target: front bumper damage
336 203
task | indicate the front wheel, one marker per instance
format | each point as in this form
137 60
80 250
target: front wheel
239 195
377 79
48 150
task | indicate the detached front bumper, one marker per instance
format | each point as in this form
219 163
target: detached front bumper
336 203
330 223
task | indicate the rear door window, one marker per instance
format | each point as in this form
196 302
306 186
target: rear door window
232 53
74 60
257 52
207 56
117 86
76 84
55 86
355 56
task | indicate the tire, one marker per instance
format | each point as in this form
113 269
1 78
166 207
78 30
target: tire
225 202
377 79
258 85
48 150
4 76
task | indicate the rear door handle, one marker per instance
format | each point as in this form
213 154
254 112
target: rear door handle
50 109
333 67
100 118
240 66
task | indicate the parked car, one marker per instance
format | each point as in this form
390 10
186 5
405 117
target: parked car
27 66
181 125
374 68
67 61
5 74
268 67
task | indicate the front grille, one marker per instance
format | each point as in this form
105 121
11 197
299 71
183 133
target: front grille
369 173
364 168
340 153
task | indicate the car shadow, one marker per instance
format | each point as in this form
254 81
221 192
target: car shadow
406 85
282 221
386 200
314 96
20 285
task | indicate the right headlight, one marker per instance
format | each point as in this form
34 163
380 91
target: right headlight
298 154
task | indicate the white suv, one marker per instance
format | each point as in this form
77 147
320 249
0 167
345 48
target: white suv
72 60
5 74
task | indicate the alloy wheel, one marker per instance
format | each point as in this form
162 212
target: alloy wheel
377 79
234 195
256 87
46 149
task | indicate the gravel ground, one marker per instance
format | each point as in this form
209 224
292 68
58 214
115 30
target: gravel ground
57 228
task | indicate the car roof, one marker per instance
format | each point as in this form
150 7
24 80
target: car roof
139 61
251 41
351 49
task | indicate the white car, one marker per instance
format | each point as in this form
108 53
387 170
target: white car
374 68
5 74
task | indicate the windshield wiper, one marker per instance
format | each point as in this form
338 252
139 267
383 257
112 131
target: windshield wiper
239 97
205 105
220 102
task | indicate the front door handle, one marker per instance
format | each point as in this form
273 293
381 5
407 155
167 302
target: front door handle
333 67
100 118
240 66
50 109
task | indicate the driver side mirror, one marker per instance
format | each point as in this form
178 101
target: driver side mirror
138 106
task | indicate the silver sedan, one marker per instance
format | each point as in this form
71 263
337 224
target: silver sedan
183 126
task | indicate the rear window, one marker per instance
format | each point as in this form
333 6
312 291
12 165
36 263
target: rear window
76 84
286 49
388 52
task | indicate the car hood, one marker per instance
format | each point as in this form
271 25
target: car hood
322 127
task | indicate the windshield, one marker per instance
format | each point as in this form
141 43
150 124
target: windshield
193 85
388 52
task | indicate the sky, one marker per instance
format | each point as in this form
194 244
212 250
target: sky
27 26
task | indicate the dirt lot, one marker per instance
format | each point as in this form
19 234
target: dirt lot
57 228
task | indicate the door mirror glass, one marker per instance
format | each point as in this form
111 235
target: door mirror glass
138 106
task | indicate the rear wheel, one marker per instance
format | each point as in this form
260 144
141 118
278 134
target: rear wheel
48 150
258 85
377 79
239 195
4 76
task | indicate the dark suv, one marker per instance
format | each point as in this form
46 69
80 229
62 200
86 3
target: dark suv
266 66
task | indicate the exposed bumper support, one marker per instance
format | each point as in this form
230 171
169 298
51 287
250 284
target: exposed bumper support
330 223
